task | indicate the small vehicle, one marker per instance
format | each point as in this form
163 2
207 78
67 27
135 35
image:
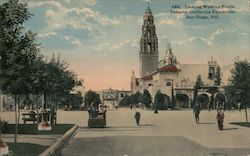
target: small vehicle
97 119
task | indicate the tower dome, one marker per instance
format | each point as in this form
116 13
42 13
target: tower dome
148 11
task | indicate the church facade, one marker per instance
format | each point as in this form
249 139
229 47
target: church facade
173 79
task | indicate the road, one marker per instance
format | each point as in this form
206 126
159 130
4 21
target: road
172 133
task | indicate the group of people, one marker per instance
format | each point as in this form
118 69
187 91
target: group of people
95 111
196 110
220 114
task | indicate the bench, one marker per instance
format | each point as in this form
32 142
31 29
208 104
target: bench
29 117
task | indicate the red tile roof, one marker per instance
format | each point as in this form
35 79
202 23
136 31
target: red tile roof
167 68
148 77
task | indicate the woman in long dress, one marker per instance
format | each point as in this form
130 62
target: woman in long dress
220 117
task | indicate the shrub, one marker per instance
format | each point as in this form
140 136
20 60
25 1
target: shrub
3 125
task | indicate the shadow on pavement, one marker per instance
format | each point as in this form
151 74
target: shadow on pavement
218 154
113 127
110 127
244 124
230 129
207 123
147 125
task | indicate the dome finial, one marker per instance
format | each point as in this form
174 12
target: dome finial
148 10
148 1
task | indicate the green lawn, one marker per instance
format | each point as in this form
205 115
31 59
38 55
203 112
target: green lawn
26 149
32 129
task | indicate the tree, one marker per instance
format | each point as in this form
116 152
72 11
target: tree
159 100
182 100
203 99
134 98
92 97
232 98
217 76
39 77
212 90
173 100
220 98
59 81
124 101
74 100
18 51
238 89
146 98
197 86
22 69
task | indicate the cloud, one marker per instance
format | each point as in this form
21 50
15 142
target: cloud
76 42
193 39
59 16
167 22
109 33
102 46
72 40
42 3
163 19
243 10
117 46
46 34
213 36
208 41
50 13
216 33
67 38
149 1
134 43
94 29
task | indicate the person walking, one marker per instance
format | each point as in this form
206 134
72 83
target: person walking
220 117
196 112
239 106
137 117
156 111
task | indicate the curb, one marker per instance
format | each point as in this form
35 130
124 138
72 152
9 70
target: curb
58 145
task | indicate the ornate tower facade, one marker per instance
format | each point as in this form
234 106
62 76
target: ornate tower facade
212 64
148 45
169 58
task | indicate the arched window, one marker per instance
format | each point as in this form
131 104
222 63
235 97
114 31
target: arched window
149 48
168 83
149 34
145 47
211 73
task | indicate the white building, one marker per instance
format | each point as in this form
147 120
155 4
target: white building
170 76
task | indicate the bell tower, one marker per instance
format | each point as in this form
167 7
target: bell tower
148 45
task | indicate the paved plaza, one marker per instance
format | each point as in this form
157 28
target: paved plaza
166 133
171 133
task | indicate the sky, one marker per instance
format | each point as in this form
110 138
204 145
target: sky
100 38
